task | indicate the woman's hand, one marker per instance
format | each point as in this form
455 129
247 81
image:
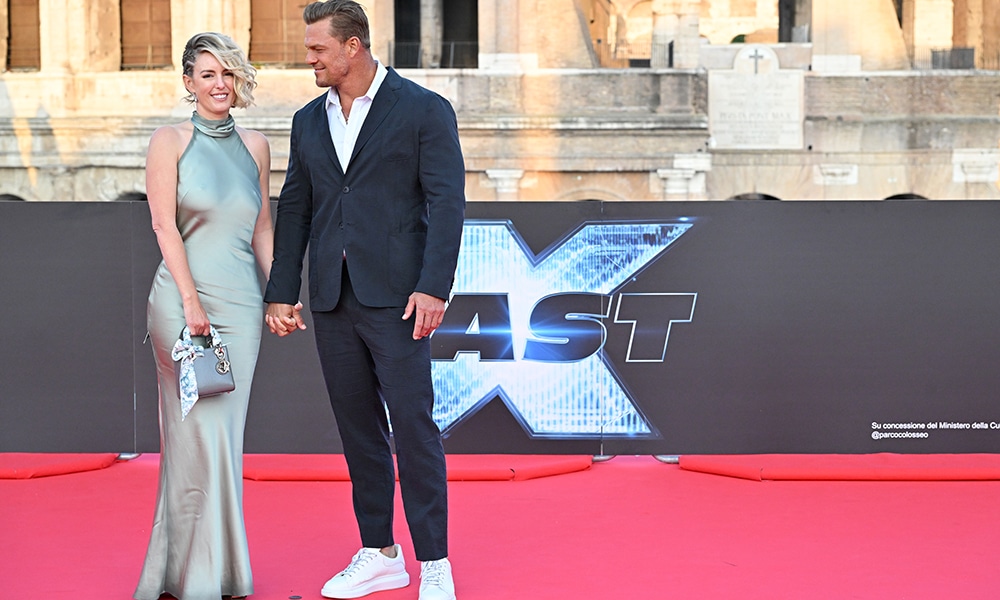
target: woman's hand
283 319
197 319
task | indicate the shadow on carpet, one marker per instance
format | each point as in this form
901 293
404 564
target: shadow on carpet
461 467
308 467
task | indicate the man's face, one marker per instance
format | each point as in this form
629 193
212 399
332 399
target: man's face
329 57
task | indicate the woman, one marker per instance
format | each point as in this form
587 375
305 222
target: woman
207 184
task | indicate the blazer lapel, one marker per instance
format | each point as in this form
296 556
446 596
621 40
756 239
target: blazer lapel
320 124
382 105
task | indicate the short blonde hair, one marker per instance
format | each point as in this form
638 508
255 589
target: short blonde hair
230 56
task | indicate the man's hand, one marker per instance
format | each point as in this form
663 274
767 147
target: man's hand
283 319
427 311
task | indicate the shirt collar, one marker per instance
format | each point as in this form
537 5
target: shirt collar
333 98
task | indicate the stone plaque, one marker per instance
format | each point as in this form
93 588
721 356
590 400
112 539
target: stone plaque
756 105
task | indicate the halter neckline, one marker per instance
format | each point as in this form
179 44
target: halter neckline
217 128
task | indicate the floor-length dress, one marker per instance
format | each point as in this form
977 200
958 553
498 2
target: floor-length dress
198 544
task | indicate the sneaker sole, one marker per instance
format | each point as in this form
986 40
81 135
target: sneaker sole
452 597
379 584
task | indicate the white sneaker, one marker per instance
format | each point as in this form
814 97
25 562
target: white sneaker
369 571
436 582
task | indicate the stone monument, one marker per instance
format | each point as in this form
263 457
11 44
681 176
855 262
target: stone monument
756 105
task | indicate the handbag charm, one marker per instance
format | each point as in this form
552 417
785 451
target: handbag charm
200 374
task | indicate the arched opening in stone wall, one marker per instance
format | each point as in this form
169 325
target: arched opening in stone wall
591 193
633 33
907 196
276 32
131 197
145 34
753 196
23 39
456 31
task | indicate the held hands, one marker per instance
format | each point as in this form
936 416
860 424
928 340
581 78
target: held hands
283 319
428 312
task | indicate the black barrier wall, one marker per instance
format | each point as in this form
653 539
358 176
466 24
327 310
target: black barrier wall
586 327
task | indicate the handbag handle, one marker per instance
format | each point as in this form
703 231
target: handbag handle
215 340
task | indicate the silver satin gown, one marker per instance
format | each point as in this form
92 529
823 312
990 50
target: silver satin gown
198 544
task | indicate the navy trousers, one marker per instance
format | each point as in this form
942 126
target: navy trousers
371 362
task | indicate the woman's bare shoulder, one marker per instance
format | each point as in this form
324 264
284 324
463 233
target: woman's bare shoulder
256 142
171 137
253 139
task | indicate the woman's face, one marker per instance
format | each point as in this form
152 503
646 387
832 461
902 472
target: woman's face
213 87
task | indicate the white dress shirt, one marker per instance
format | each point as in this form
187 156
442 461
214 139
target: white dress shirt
344 130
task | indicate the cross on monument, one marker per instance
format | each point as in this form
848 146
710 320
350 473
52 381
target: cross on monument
756 56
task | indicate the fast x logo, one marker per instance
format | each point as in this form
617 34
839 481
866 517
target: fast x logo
531 329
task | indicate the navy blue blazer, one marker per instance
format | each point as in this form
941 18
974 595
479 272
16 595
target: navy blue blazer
397 212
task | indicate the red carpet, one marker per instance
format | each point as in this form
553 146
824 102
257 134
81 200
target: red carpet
849 467
629 528
462 467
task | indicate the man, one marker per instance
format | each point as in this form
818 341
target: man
375 188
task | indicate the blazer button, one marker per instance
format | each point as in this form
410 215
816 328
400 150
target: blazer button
347 189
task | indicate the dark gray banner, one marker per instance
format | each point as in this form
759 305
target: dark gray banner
586 327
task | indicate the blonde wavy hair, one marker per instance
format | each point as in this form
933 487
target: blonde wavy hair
230 56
